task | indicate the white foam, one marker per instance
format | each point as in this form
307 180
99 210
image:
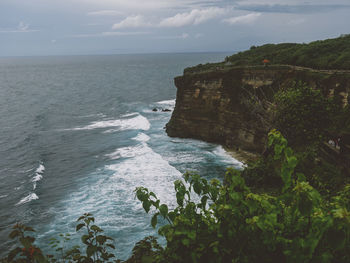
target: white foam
145 168
167 102
138 122
37 177
128 152
3 196
227 158
141 137
40 169
28 198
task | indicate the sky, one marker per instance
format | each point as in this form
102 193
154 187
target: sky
83 27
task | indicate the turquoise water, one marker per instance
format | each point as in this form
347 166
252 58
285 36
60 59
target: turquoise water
78 134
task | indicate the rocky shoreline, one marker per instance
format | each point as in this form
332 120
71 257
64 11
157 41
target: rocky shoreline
234 107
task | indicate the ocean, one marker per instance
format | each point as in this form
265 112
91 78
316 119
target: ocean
78 134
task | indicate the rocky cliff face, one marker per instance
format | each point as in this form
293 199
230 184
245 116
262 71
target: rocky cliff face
233 106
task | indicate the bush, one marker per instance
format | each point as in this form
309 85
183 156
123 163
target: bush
231 223
303 115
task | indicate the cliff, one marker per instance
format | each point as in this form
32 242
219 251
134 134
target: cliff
233 106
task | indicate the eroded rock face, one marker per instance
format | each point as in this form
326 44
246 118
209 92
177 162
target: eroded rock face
233 107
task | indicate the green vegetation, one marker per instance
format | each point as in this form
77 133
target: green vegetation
303 114
322 54
325 54
215 222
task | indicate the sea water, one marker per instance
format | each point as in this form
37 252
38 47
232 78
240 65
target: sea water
78 134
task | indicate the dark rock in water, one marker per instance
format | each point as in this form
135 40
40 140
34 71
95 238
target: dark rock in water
161 109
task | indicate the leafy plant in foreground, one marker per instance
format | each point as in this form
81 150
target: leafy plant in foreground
26 251
230 223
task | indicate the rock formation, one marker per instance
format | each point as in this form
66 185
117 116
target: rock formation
233 106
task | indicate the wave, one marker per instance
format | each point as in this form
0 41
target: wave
40 169
128 152
138 122
227 158
132 151
141 137
167 102
28 198
38 175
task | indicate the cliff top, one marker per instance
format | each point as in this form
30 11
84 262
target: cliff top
329 54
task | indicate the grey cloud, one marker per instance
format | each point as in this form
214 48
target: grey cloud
293 9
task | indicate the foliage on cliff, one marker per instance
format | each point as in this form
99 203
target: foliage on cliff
215 222
304 115
323 54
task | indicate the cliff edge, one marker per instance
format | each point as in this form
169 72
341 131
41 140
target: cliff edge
233 106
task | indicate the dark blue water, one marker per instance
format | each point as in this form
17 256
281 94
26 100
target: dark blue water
78 134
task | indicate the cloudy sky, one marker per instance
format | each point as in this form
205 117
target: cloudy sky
65 27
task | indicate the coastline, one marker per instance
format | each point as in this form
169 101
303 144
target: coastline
243 156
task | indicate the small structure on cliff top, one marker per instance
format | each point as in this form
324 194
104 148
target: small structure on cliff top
265 62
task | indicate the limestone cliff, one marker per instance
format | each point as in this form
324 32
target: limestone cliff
232 106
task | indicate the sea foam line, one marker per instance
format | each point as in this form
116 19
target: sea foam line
167 102
38 174
138 122
30 197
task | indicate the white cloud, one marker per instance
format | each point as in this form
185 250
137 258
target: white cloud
195 17
104 13
182 36
109 34
132 22
199 35
124 33
21 28
245 19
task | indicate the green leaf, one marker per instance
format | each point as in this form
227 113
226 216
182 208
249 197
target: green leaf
180 198
154 220
25 241
172 216
185 242
146 205
197 187
14 234
153 194
90 250
292 162
84 239
79 227
101 239
163 210
96 228
204 200
80 218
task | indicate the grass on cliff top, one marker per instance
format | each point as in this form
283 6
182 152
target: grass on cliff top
322 54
